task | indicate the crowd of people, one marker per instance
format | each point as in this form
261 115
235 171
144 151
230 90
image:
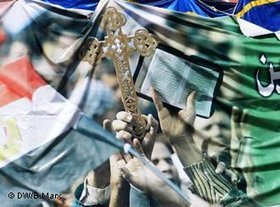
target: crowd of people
202 145
198 155
203 173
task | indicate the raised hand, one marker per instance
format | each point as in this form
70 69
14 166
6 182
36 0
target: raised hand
176 126
119 186
123 128
142 178
139 176
179 129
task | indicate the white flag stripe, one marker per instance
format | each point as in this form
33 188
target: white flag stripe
45 118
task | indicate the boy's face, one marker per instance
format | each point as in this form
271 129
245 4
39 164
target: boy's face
161 157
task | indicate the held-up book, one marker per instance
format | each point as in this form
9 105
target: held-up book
175 78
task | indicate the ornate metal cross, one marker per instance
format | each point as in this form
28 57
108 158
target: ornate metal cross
117 47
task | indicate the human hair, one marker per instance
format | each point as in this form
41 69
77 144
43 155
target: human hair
162 138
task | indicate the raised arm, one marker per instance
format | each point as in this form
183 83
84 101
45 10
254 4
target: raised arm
208 184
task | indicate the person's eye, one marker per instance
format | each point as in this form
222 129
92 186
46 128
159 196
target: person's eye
155 161
169 160
207 128
223 126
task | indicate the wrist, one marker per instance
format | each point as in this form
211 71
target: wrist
89 195
173 199
186 149
119 184
100 177
99 182
183 137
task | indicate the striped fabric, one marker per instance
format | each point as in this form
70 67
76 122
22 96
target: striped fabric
207 183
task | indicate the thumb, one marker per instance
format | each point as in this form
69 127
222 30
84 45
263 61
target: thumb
188 114
138 146
126 174
161 110
156 99
107 125
220 167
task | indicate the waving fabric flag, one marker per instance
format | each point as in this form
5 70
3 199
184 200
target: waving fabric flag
80 4
264 13
2 37
198 7
42 151
202 8
157 3
248 93
204 54
4 5
36 134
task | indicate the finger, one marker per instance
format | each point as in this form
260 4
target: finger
138 146
161 110
235 123
153 123
149 139
156 99
234 178
235 134
188 114
232 175
124 116
191 100
118 125
220 167
244 116
125 136
127 175
107 125
235 114
153 128
121 163
243 120
126 157
116 157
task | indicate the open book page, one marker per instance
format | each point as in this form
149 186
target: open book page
174 78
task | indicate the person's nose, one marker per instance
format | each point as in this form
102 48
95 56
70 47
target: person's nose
164 166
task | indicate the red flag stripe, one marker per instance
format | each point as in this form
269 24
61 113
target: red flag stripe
2 37
18 79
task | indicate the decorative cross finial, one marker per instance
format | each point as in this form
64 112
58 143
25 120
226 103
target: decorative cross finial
116 46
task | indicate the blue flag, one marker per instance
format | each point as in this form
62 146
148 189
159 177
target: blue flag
78 4
157 3
264 13
202 8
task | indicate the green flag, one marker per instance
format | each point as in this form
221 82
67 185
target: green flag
248 90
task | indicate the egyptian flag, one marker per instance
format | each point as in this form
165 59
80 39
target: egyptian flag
2 37
4 5
40 153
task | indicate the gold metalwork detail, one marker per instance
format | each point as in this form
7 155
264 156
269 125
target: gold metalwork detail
116 46
112 19
139 123
144 42
90 51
